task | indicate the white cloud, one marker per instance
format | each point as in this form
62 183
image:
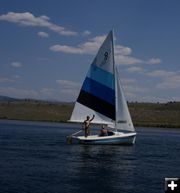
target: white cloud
135 89
122 53
8 80
122 50
86 33
133 92
4 80
122 56
71 92
66 91
19 93
89 47
172 82
69 88
16 64
47 92
127 60
43 34
68 84
129 95
28 93
135 69
150 98
128 81
154 61
28 19
17 76
168 79
160 73
66 49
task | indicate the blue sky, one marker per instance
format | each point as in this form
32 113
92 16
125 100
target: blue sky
46 47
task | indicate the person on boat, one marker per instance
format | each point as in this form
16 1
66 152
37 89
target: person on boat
104 131
86 125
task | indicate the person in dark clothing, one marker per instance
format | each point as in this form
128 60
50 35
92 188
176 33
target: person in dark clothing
104 131
86 125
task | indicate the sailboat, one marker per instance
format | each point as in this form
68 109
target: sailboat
102 95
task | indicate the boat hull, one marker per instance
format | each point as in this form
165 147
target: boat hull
116 139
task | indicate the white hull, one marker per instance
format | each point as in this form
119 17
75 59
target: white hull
118 138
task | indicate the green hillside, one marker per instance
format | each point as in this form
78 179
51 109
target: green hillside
35 111
143 114
156 114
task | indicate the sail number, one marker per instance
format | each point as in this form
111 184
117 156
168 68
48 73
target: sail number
105 56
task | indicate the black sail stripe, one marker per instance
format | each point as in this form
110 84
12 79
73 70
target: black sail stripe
97 104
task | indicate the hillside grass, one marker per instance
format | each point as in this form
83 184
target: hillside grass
35 111
143 114
155 114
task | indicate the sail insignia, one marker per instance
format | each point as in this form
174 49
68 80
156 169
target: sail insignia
122 121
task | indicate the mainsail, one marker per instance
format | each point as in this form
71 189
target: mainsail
101 93
97 95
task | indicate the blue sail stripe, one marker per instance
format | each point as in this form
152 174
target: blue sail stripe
101 91
96 104
104 77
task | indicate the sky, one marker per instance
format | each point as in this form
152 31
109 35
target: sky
46 47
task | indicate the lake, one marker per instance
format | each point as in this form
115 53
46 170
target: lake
35 158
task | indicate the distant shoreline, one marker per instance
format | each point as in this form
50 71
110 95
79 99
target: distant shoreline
144 126
143 114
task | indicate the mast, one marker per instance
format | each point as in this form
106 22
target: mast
115 78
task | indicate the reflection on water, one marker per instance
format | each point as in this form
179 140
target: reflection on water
34 158
105 168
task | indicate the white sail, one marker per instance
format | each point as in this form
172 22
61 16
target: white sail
101 93
80 112
123 118
97 95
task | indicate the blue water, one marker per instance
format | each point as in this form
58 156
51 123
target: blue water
34 158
